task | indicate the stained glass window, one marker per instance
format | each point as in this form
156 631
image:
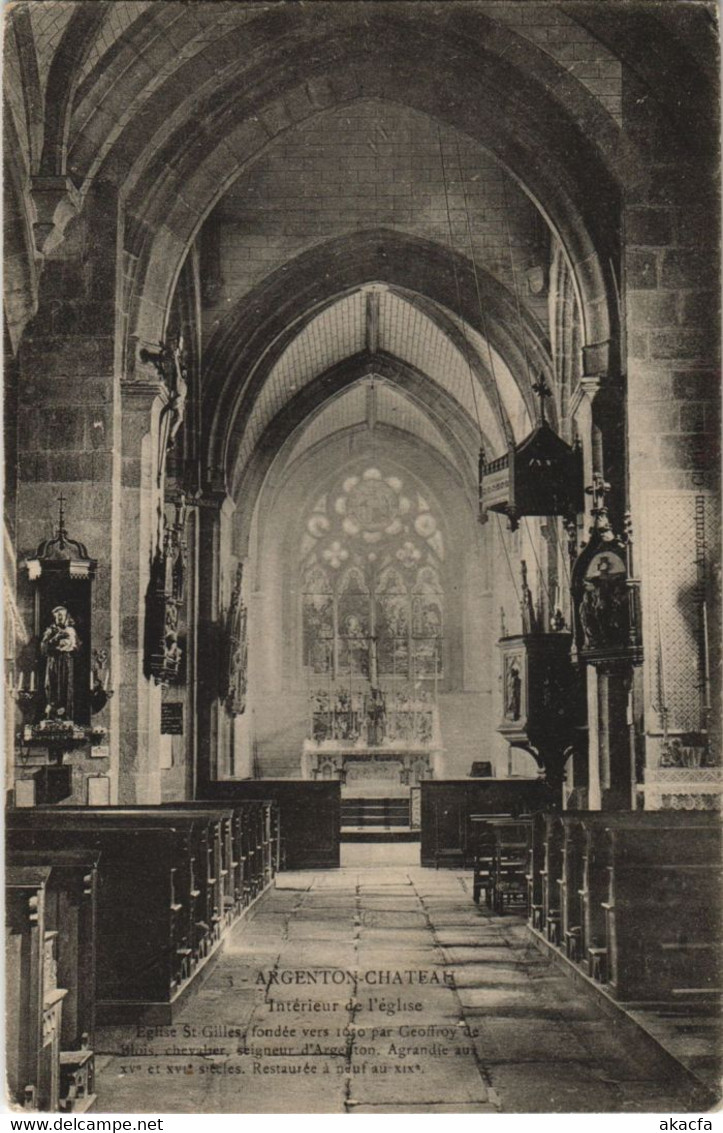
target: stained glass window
372 596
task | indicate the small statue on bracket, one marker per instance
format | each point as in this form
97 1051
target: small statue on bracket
513 689
603 608
557 621
237 646
172 655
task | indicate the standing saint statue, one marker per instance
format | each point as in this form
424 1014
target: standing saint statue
237 646
58 645
513 690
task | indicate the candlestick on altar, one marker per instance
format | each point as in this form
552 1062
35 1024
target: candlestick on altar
21 682
32 680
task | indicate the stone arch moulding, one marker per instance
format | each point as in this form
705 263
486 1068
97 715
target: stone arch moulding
277 49
20 280
237 396
74 47
178 195
265 321
447 415
454 427
159 264
227 429
301 482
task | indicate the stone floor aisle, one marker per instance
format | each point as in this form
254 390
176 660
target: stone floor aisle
480 1022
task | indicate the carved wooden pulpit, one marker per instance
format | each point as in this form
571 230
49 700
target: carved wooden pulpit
543 699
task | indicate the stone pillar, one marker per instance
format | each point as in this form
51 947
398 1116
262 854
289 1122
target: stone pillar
594 790
616 767
672 299
68 430
215 511
139 778
581 409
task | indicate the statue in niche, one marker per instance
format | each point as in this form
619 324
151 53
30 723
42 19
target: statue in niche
322 717
513 689
603 608
59 645
357 645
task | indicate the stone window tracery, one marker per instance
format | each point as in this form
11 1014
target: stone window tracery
372 593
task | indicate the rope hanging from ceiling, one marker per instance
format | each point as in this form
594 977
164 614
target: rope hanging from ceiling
467 351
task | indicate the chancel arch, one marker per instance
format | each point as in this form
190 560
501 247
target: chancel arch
403 272
363 569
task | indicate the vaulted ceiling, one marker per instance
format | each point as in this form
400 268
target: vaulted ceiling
372 404
372 216
374 321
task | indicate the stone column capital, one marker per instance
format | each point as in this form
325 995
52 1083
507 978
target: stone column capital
138 396
587 388
56 201
216 499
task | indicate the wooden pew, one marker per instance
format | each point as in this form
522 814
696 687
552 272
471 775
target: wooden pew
248 839
173 878
271 840
663 912
572 888
254 847
595 848
50 978
34 1002
600 872
536 865
152 896
551 874
306 829
70 912
483 855
447 807
213 853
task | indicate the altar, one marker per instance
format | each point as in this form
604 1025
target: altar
369 738
367 769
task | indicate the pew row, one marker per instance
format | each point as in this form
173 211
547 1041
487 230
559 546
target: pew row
171 881
633 900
